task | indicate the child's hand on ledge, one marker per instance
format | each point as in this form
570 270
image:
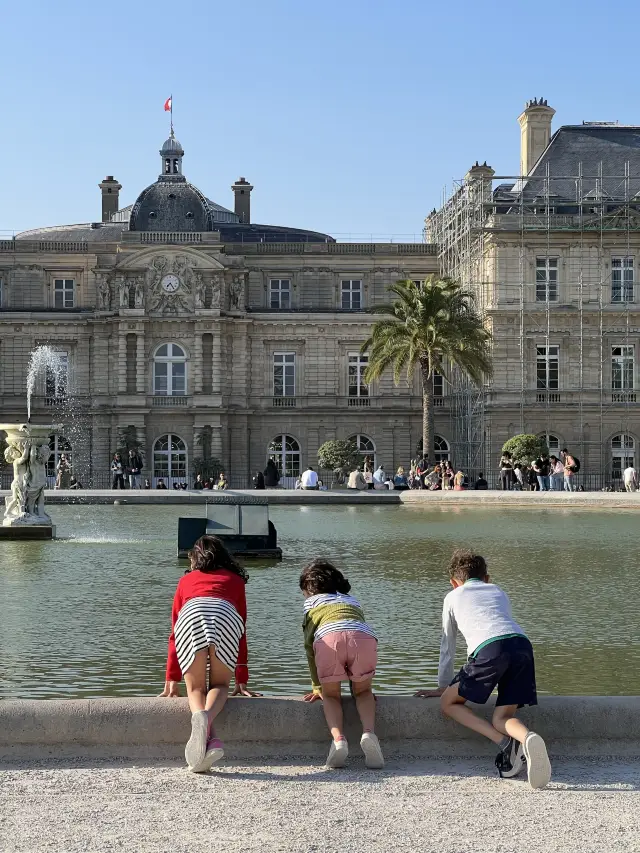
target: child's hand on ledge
243 690
430 694
171 689
312 697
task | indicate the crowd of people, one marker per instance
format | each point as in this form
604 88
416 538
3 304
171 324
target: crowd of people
544 474
208 648
420 475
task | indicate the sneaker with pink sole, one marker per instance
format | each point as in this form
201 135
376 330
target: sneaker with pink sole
215 751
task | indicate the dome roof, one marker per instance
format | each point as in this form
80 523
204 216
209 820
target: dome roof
172 146
171 206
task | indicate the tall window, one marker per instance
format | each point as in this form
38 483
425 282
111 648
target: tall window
622 359
622 279
438 385
280 293
441 448
366 447
546 279
285 451
170 371
351 294
547 367
64 293
358 363
284 374
58 445
622 454
56 377
1 294
170 459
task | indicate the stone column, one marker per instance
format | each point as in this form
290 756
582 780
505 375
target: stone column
197 364
141 365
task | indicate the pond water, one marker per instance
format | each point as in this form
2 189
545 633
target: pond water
88 615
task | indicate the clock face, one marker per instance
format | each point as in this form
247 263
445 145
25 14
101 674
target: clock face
170 283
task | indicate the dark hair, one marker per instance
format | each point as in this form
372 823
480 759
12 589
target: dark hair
465 565
322 576
209 554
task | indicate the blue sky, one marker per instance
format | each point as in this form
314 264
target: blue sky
348 117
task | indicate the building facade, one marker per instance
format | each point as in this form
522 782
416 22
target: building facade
551 255
190 332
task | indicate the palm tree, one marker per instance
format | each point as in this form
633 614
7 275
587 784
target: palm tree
432 325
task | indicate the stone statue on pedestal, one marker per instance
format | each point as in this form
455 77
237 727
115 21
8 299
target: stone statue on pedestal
28 451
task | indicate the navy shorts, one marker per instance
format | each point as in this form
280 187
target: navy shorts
506 664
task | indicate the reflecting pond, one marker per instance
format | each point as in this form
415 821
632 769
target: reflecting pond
88 615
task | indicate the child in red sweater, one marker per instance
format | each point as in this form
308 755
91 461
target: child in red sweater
208 628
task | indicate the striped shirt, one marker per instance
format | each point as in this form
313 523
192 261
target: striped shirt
326 613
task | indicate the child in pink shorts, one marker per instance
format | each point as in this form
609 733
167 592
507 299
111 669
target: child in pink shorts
340 647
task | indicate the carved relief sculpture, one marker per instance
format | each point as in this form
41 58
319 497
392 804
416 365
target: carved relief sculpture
139 291
216 291
200 290
236 291
104 291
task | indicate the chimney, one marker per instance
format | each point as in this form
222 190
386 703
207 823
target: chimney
242 194
535 132
110 197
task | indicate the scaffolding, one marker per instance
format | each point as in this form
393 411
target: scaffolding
550 260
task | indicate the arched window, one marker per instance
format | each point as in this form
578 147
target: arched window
58 445
167 166
366 446
623 454
169 460
170 371
553 443
441 448
285 450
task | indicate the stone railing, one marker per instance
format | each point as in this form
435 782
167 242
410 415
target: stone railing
169 401
331 248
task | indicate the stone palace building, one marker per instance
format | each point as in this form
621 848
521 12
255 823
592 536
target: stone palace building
191 332
551 254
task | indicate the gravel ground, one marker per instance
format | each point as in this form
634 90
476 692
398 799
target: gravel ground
448 806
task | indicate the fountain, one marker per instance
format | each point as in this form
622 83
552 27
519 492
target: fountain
28 451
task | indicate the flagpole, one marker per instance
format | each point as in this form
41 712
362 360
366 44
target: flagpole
171 113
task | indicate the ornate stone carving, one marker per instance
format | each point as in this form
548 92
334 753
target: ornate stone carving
200 290
123 291
103 287
28 451
139 291
236 290
216 291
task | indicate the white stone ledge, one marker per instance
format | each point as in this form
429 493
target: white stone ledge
585 725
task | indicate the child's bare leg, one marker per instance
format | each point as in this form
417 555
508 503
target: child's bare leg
365 703
195 679
219 680
453 705
332 706
505 721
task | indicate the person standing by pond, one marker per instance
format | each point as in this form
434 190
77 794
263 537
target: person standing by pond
134 468
271 475
117 472
506 471
63 473
557 474
571 468
500 655
340 646
630 478
208 627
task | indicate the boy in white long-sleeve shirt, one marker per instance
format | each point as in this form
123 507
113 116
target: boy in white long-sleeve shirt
500 655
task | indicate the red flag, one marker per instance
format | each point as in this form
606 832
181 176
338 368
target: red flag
167 105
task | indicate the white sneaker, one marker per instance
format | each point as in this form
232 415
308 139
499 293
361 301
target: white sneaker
338 754
196 746
373 756
538 764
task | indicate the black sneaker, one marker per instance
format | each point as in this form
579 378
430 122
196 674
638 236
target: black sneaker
511 759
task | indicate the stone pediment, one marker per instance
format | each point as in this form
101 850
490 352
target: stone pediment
142 259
